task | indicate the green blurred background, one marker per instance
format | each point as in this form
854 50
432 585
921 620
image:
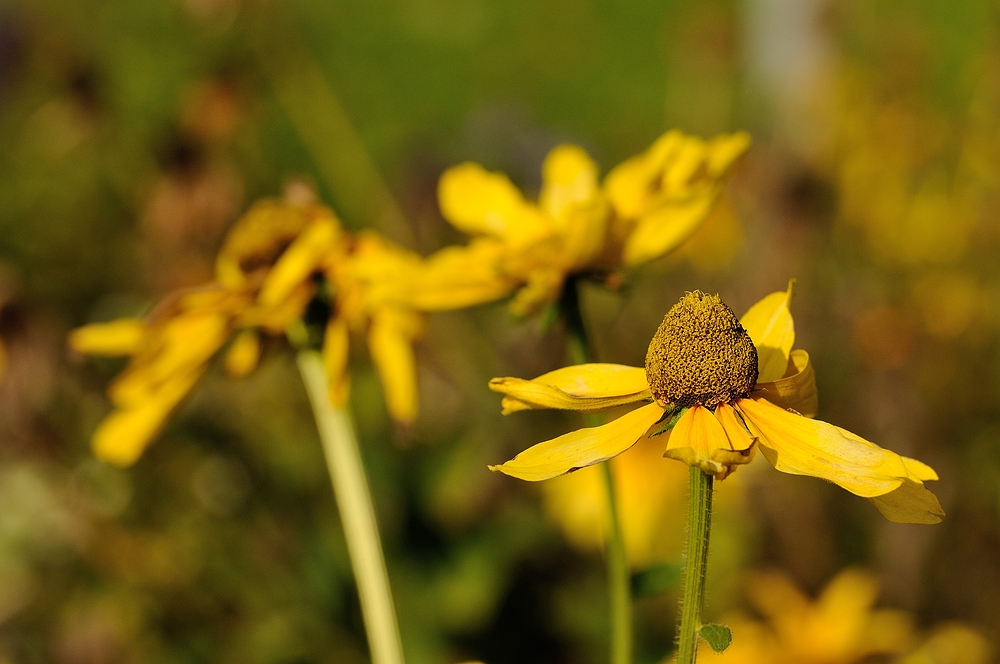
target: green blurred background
134 133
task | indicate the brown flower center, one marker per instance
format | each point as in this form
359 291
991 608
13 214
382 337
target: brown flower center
700 354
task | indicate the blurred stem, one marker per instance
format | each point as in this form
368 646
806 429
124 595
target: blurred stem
354 501
695 564
619 580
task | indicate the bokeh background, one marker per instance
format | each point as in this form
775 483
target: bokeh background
134 133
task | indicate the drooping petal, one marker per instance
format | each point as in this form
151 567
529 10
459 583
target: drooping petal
769 323
583 387
569 177
478 202
739 436
912 502
800 446
124 434
797 390
460 277
667 227
118 337
581 448
243 354
390 342
336 344
699 439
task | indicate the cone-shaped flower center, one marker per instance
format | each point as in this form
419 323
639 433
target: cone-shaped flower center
701 354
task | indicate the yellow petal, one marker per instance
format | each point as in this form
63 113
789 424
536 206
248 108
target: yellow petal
276 319
569 177
118 337
797 390
584 233
769 323
581 448
336 344
629 184
724 150
739 437
583 387
460 277
696 440
912 502
800 446
258 238
478 202
298 262
243 354
542 288
665 228
124 434
390 344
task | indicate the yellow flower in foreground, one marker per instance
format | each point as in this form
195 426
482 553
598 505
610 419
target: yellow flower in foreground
265 274
647 207
727 386
840 627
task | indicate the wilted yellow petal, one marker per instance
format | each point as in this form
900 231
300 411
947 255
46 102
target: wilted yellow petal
801 446
797 390
581 448
583 387
118 337
665 228
243 354
478 202
298 262
336 344
769 323
569 177
912 502
390 344
124 434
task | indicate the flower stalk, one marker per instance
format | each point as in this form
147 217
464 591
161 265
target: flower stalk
357 514
619 579
695 564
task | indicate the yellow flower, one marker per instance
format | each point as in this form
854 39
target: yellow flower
265 279
647 207
726 386
840 627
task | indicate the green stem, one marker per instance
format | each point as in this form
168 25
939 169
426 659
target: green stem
695 564
354 501
619 579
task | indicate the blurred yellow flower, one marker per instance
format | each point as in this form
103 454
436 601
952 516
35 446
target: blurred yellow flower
264 281
648 206
725 386
840 627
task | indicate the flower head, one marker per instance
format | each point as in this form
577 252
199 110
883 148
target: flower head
719 388
265 279
646 207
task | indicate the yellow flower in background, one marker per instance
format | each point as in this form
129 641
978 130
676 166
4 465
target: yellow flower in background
725 386
265 279
647 207
840 627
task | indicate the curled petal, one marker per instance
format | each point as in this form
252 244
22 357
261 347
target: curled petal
769 323
581 448
584 387
118 337
801 446
797 390
699 439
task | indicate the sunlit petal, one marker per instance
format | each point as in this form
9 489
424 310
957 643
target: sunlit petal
769 323
912 502
298 262
667 227
478 202
581 448
118 337
569 177
699 439
583 387
390 342
243 354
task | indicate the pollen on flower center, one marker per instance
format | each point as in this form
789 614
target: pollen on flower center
701 354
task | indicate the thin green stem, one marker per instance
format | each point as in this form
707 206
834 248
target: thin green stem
695 565
619 579
357 514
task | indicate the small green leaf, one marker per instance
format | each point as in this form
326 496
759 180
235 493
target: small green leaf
718 636
668 421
